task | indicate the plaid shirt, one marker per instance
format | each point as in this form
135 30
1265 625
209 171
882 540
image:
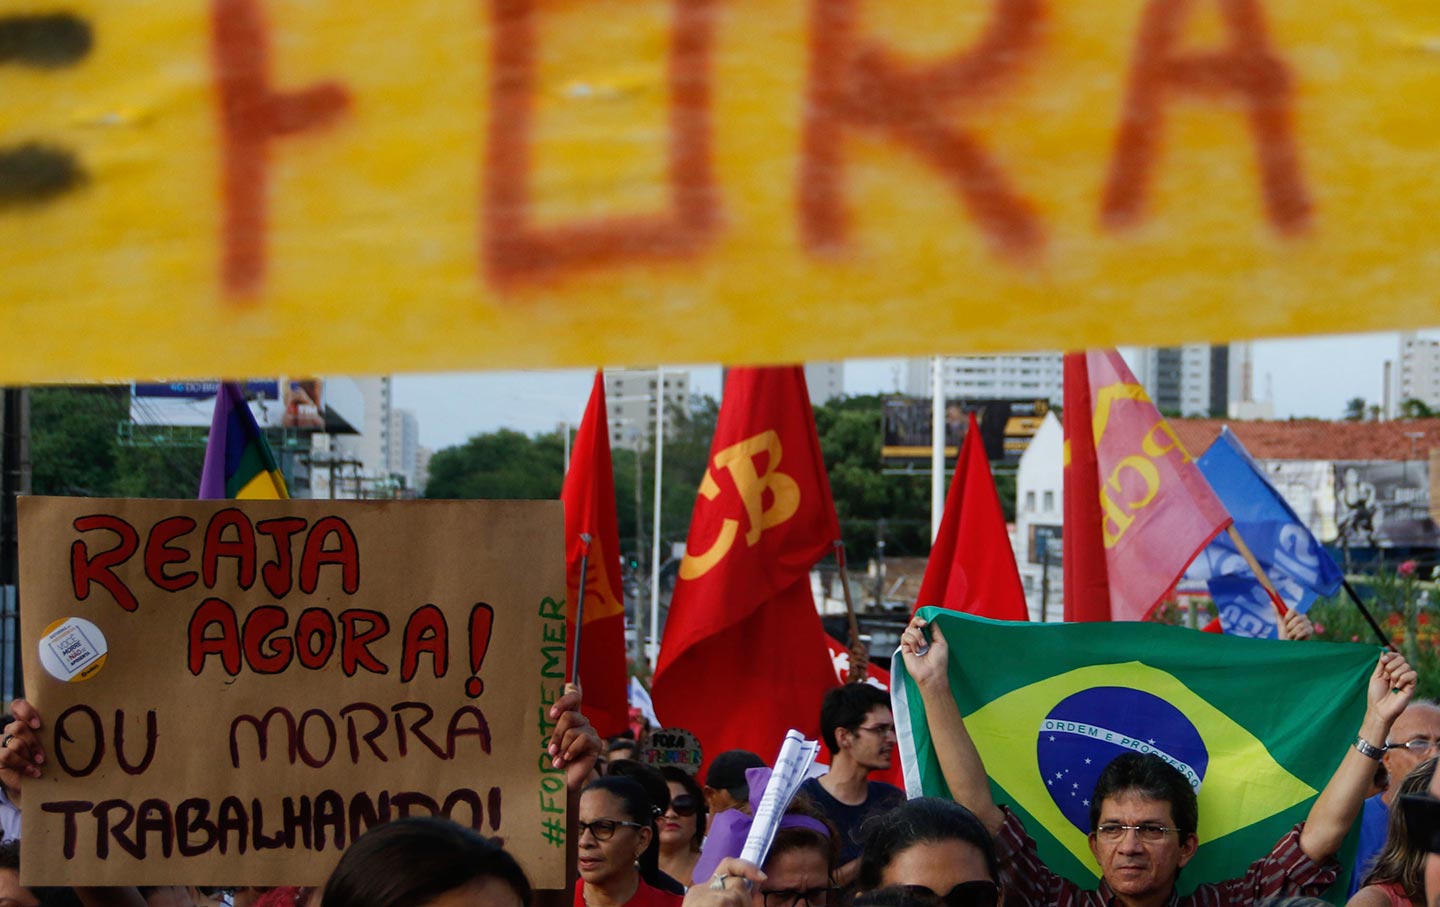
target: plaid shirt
1285 871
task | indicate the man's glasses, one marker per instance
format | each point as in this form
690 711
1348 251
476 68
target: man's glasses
1417 746
684 805
603 829
979 893
879 730
1149 832
789 897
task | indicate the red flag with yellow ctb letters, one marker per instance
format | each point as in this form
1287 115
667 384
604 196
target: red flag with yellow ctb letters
1137 508
589 497
744 656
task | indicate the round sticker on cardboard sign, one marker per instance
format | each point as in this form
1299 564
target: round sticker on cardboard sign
72 649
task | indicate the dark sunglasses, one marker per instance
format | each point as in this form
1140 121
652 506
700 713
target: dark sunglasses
979 893
1422 821
684 805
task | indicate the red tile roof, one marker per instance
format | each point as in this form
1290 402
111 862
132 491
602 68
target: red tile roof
1312 439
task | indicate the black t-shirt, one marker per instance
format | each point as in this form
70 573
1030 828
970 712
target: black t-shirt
879 798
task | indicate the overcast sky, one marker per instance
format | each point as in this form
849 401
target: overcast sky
1310 377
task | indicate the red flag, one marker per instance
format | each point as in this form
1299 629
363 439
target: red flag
744 656
1137 509
589 496
972 567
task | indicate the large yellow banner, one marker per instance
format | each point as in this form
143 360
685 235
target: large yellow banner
241 187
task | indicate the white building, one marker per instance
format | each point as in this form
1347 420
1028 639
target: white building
403 447
1418 377
366 464
1038 376
1039 514
1199 379
825 381
630 404
422 469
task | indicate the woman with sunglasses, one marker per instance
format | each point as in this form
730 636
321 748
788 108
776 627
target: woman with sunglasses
936 849
616 835
682 825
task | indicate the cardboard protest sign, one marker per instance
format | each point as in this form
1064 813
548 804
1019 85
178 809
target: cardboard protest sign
424 185
233 691
672 746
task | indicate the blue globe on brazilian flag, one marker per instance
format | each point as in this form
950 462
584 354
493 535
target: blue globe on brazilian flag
1257 726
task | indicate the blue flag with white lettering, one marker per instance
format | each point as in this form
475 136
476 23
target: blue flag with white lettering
1297 565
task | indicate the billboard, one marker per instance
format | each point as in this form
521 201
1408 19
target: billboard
1006 427
1383 505
1045 539
192 403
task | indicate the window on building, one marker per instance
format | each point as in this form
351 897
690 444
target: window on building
1048 501
1029 502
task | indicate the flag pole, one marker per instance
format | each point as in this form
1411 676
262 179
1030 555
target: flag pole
1260 574
580 605
849 609
1369 618
937 445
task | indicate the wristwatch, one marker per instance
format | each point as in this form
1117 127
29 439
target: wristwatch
1366 748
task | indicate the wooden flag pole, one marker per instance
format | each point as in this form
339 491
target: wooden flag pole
1260 574
580 606
1279 604
849 611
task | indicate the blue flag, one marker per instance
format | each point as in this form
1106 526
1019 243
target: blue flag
1297 565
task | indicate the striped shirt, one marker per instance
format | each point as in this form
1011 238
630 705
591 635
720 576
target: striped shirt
1284 872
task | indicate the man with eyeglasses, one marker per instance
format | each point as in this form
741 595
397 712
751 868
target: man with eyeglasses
1143 813
1414 738
859 731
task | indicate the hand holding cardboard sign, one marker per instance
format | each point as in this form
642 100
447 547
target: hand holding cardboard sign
20 751
574 744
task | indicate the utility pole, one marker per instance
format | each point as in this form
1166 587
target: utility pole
880 564
14 481
652 651
1045 582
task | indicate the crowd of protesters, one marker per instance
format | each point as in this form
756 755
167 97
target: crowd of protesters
660 837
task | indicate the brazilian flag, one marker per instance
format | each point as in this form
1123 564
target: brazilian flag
1256 725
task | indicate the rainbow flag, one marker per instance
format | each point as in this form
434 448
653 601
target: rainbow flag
238 461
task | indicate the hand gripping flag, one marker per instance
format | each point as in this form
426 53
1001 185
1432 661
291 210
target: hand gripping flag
589 496
238 460
972 567
1296 564
1137 510
1256 726
744 657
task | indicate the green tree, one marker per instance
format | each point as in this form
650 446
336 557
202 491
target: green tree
507 464
73 438
1355 409
162 470
500 465
1415 409
76 447
870 503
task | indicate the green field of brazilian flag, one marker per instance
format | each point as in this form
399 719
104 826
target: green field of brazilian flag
1257 725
